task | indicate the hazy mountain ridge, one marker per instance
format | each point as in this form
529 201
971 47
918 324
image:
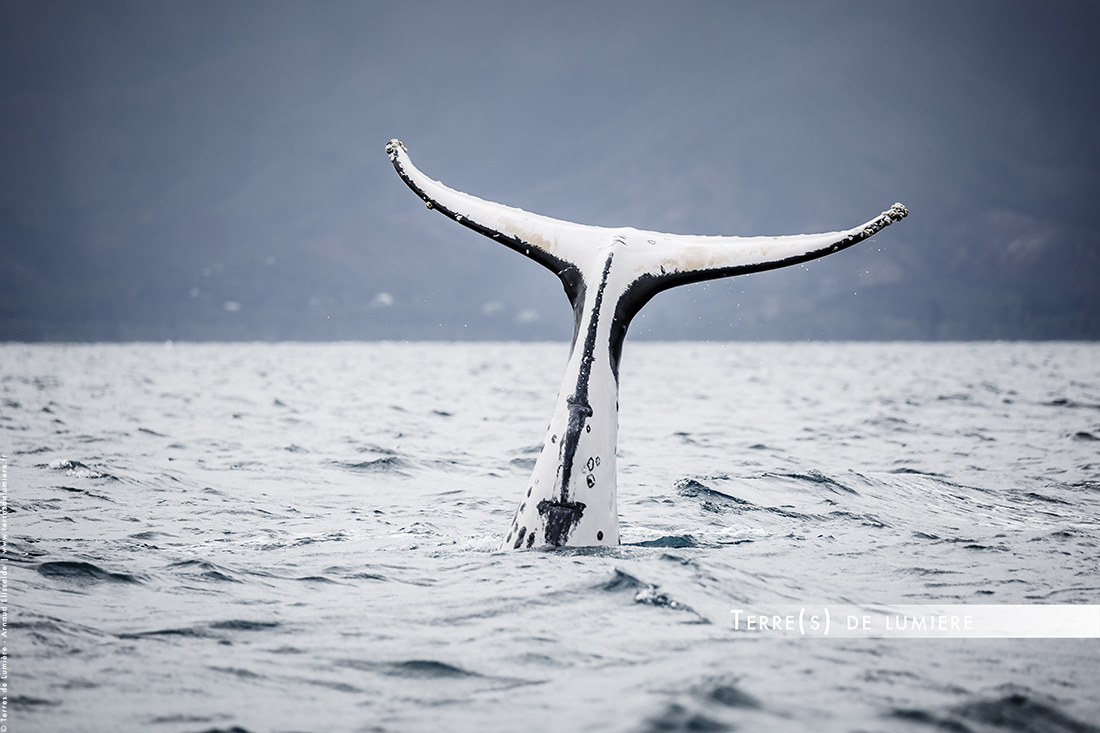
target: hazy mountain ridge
199 171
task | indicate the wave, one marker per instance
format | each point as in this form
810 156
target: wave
426 669
818 479
705 708
674 541
1071 404
712 500
244 625
645 593
76 469
194 632
677 717
203 570
391 464
82 573
1018 710
28 703
85 492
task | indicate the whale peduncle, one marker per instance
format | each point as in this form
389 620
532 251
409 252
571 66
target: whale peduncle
608 274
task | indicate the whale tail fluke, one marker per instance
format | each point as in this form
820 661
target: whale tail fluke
675 258
608 275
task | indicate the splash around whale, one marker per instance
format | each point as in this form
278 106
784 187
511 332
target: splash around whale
608 274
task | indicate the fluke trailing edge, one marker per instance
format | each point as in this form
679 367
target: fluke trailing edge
608 274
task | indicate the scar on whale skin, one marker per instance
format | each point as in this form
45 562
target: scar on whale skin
608 274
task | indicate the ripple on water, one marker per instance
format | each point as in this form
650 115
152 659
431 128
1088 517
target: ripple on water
341 566
1016 710
391 464
82 573
203 570
76 469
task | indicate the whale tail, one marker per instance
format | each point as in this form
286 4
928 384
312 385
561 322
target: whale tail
662 261
608 275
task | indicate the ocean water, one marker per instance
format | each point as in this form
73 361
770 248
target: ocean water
302 537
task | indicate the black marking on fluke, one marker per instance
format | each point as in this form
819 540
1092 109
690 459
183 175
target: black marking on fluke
561 517
579 409
631 276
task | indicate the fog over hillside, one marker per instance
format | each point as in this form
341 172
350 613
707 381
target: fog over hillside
210 171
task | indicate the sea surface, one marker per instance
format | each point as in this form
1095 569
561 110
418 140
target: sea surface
302 537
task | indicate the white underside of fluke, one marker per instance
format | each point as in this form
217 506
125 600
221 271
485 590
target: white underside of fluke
608 273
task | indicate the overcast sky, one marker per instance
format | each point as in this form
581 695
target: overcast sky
216 170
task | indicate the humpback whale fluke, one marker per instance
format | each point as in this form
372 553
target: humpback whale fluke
608 275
